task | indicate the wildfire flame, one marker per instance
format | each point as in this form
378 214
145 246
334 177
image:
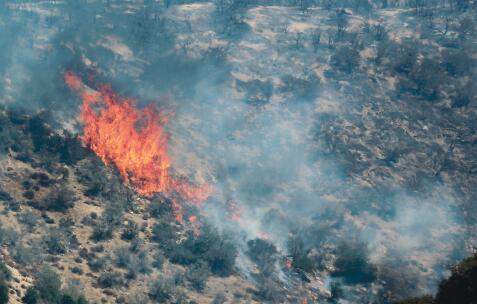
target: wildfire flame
234 211
131 139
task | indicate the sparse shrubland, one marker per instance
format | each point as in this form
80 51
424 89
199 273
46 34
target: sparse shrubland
5 277
46 288
208 246
389 89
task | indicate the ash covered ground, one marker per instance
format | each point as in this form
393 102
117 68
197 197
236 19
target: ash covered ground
339 138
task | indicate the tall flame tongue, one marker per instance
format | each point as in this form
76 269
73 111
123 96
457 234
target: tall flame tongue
133 140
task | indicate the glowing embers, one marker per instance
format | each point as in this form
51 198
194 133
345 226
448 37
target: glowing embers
131 139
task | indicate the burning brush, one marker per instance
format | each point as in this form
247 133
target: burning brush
133 140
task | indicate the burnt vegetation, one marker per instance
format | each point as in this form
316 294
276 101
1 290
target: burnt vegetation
460 287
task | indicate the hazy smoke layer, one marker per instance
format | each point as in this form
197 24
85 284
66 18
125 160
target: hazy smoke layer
273 156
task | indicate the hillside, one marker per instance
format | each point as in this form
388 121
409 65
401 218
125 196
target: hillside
307 151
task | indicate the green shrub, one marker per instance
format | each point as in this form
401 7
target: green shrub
162 208
8 236
29 219
461 286
158 260
96 263
48 285
143 264
208 245
31 296
123 257
109 279
161 290
102 231
25 255
66 299
269 289
137 298
299 254
257 92
263 253
197 275
345 59
56 241
59 198
305 87
164 234
5 277
3 291
130 231
5 273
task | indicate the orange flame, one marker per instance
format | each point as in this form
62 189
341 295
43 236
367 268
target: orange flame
193 219
72 81
264 235
179 214
234 211
131 139
195 224
288 263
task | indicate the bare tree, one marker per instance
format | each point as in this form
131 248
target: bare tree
315 39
